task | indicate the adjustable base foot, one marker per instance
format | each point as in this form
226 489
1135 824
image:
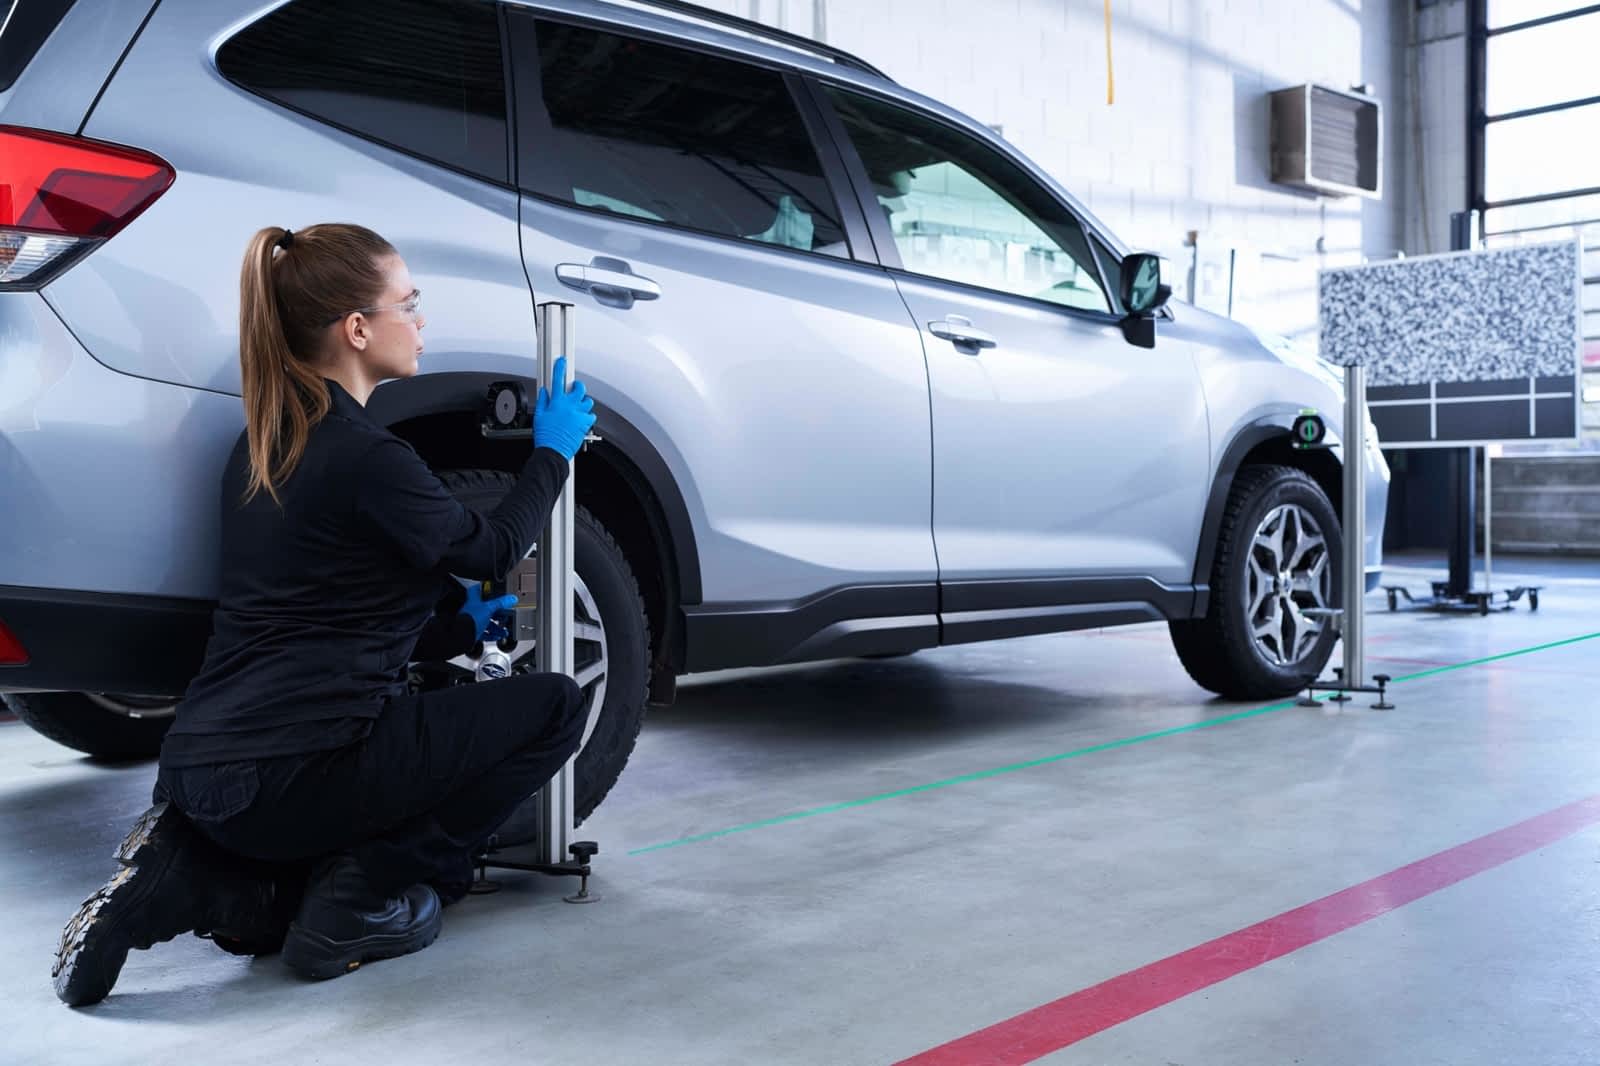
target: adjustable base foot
1471 602
1341 691
583 894
504 859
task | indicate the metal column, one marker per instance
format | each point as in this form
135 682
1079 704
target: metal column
1355 523
1463 482
1463 521
1488 518
554 653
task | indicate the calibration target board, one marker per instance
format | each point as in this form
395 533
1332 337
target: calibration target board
1464 348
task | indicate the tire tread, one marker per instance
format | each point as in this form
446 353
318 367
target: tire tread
471 483
1213 648
73 720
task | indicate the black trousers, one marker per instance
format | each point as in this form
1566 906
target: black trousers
412 801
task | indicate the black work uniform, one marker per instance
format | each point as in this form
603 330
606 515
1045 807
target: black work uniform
298 738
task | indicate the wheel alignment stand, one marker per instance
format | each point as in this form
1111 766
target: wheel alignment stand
1456 594
554 851
1351 617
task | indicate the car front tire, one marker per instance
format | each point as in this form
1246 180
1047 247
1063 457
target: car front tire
613 642
1279 553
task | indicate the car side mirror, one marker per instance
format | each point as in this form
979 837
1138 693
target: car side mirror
1143 294
1142 291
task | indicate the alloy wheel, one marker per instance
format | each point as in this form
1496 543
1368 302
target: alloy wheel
590 659
1290 573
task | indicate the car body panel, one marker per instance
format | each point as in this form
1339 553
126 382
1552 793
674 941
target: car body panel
844 474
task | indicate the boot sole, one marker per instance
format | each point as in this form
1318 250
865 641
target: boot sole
76 983
313 955
140 836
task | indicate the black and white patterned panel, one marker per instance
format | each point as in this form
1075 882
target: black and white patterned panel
1465 348
1466 316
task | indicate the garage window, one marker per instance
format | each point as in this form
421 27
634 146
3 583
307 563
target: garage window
648 131
423 76
1536 107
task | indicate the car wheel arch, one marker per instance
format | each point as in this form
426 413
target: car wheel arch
1265 441
622 479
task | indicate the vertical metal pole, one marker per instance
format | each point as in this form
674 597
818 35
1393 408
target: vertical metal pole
1355 523
554 653
1463 478
1488 519
1463 520
1477 104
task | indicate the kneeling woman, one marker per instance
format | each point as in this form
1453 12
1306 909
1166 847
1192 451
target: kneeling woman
305 798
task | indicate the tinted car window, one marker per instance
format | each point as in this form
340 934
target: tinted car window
424 76
962 212
649 131
24 26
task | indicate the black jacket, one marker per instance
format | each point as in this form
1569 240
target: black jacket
325 600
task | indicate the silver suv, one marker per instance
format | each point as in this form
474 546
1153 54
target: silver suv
868 380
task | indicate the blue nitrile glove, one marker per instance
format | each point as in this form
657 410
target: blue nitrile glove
482 611
561 419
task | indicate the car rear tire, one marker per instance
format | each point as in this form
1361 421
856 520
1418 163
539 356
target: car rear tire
607 588
1279 551
110 727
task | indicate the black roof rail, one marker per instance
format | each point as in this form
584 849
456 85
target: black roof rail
750 26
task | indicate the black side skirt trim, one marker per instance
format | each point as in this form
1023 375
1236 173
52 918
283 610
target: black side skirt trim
875 620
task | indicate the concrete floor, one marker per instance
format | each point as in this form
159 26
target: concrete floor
876 931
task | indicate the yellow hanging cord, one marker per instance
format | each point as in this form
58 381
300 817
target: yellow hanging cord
1110 85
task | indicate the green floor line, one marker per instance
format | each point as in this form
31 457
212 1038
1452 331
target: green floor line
1046 760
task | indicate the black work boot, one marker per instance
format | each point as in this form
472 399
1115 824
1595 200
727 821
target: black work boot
344 921
168 885
256 925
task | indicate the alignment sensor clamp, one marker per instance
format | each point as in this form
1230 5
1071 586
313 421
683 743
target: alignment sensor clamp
507 414
1309 430
506 411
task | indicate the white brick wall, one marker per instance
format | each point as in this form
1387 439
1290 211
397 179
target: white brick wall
1185 145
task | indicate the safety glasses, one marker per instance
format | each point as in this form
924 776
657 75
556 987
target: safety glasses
409 308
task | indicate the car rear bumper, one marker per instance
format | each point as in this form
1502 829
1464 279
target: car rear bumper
99 642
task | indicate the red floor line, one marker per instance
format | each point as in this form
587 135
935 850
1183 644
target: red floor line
1047 1029
1518 667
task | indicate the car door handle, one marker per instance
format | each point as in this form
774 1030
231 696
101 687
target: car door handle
961 332
605 277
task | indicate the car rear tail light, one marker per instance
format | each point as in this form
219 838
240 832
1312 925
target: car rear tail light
12 653
63 196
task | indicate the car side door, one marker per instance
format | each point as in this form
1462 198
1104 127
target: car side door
1061 450
732 312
